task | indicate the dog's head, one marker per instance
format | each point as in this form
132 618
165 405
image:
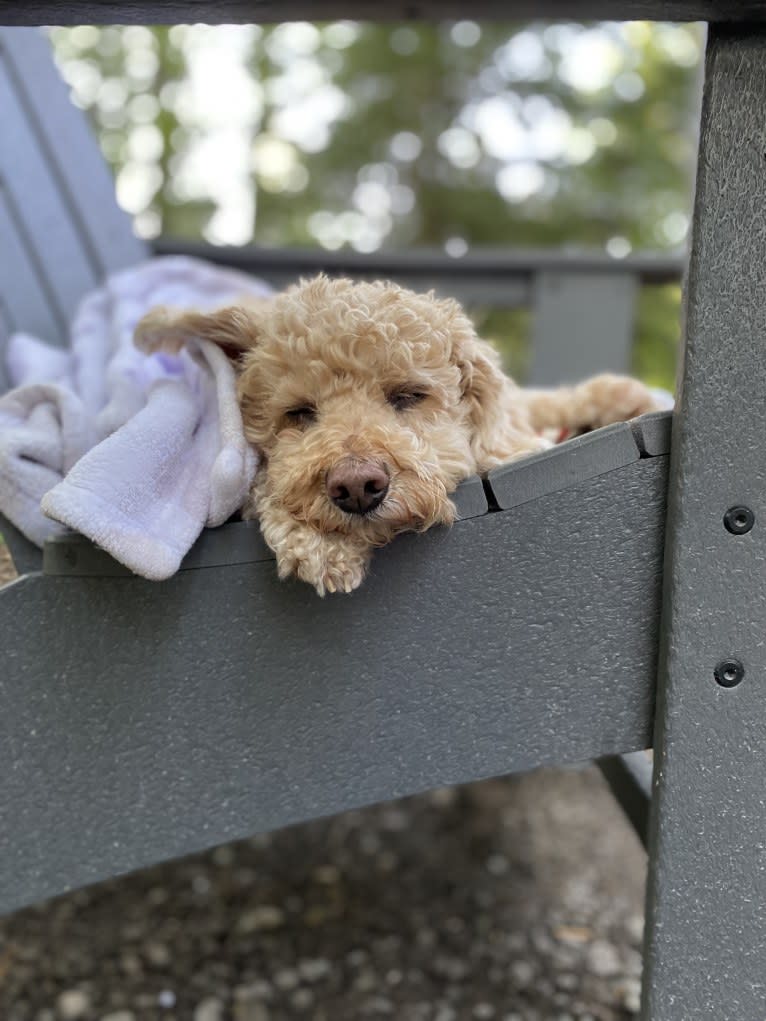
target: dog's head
367 402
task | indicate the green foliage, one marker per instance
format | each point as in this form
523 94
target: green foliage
368 135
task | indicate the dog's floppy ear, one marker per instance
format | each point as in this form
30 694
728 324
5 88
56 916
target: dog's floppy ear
234 329
497 415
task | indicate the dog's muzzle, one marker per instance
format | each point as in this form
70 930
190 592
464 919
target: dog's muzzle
357 485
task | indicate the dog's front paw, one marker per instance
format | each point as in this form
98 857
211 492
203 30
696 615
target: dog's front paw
338 575
334 568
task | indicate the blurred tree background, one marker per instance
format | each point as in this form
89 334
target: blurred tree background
452 136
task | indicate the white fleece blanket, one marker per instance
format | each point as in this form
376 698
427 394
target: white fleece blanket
138 452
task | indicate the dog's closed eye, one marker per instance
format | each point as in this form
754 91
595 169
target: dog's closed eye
302 415
406 397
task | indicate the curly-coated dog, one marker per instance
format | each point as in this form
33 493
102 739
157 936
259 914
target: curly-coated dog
369 404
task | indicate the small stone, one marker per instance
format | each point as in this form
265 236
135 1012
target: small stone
633 963
379 1005
223 856
327 875
366 981
454 925
157 954
201 884
395 820
572 933
483 1011
451 968
522 973
445 1013
251 1010
264 918
166 998
258 990
566 980
130 964
386 861
314 970
631 994
635 928
542 941
73 1004
302 999
497 865
355 958
602 959
287 979
210 1009
394 977
119 1015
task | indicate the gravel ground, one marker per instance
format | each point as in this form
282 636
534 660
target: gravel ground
7 572
516 900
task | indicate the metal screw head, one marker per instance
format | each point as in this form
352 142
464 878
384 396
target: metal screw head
729 673
738 520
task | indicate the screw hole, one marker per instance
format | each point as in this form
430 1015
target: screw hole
729 673
738 520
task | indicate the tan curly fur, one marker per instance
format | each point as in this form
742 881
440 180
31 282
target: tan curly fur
322 370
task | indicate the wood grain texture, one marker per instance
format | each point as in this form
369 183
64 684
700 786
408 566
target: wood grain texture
127 12
157 719
706 931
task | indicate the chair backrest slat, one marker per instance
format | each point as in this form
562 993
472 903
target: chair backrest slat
82 172
59 200
26 303
583 325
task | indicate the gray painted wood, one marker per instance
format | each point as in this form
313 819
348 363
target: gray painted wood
60 228
577 460
157 719
28 304
630 780
128 12
82 175
653 432
30 181
481 264
583 325
706 932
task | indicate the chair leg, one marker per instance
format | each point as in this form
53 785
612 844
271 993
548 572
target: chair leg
706 908
630 781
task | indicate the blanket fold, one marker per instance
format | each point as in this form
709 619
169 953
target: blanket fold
138 452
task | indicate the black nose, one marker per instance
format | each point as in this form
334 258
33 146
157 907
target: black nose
357 486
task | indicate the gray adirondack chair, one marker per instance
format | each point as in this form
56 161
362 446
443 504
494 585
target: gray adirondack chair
44 129
142 721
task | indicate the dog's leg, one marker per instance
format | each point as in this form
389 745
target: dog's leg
328 561
590 405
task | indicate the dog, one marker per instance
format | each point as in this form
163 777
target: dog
368 404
